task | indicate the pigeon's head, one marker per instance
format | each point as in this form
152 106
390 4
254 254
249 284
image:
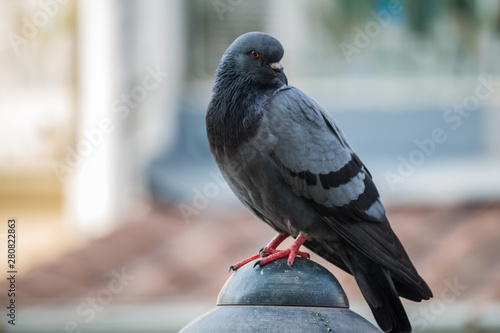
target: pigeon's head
254 57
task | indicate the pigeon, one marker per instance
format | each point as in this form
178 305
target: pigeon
285 158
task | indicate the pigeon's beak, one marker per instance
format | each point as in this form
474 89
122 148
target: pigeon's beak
277 67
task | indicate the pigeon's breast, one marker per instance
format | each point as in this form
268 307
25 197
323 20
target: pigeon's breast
235 120
255 178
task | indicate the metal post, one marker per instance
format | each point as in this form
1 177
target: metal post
276 298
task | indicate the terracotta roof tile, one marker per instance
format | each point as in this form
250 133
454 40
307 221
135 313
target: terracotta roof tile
169 258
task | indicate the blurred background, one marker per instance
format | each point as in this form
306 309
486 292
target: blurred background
123 221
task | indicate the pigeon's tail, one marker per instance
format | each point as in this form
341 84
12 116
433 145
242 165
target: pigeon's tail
378 289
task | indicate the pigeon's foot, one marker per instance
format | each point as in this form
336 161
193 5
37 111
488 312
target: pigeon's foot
273 244
265 251
243 262
291 252
270 253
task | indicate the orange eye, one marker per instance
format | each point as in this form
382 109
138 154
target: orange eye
255 54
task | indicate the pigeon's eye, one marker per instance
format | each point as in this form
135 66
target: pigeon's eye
255 54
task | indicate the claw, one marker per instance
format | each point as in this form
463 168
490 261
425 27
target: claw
264 252
231 268
257 263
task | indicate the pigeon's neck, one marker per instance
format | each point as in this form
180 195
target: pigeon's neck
234 115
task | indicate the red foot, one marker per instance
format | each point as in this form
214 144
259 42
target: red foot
244 262
273 244
291 252
269 248
269 252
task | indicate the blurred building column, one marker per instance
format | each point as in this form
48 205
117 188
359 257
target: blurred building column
90 206
129 73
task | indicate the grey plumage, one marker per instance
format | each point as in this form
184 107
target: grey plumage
285 158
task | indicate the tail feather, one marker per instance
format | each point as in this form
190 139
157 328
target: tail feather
405 290
378 289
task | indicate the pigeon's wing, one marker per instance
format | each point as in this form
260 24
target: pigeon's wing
318 164
316 160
